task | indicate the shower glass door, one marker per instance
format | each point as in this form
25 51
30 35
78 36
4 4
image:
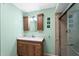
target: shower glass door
73 33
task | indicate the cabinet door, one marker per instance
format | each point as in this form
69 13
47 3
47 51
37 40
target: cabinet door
40 22
19 49
31 49
22 51
25 23
38 50
22 48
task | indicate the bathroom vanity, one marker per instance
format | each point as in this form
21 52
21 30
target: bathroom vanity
30 46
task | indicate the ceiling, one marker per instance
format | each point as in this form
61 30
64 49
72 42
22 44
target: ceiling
61 7
28 7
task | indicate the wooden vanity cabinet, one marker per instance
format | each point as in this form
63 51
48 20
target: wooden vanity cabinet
40 22
29 48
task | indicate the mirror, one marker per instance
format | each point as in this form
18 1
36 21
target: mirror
32 21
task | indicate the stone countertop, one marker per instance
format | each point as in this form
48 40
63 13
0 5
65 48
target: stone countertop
39 39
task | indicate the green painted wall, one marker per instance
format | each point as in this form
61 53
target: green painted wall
11 27
47 33
73 27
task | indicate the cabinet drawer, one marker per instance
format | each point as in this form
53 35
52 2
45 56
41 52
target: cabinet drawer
20 42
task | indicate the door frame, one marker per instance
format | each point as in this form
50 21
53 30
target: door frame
63 25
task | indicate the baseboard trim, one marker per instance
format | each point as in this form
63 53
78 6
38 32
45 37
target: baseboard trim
47 54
